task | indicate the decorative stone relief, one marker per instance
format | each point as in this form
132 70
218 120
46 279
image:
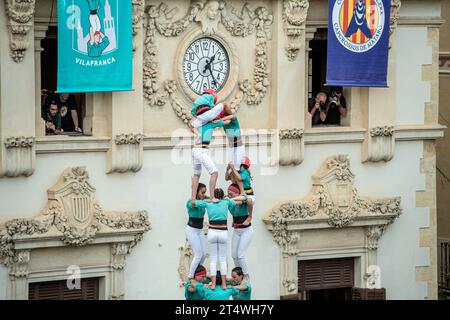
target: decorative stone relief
19 156
208 14
138 13
333 200
119 253
294 18
20 267
209 17
291 147
128 153
395 16
333 203
129 138
73 216
380 144
373 234
290 284
186 256
20 14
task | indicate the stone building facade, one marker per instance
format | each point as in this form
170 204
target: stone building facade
111 204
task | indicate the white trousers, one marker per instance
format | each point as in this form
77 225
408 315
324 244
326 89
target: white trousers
201 157
95 22
196 239
218 249
239 245
235 155
208 116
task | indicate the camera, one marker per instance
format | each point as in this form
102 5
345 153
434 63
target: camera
334 101
322 106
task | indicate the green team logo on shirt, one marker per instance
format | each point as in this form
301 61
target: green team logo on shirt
93 24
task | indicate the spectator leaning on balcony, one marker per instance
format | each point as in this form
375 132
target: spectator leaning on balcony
68 110
52 120
316 108
337 107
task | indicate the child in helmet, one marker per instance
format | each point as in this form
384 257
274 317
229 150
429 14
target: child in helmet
243 179
206 108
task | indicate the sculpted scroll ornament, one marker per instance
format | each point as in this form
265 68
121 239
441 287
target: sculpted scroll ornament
19 142
129 138
20 14
208 14
386 131
186 255
335 200
294 18
395 17
138 13
73 215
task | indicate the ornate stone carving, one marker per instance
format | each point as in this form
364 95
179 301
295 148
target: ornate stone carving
72 215
291 147
395 16
129 138
290 284
119 253
385 131
380 144
154 14
294 18
333 200
186 256
183 113
130 147
20 14
19 156
19 268
209 17
291 134
19 142
373 234
138 13
208 14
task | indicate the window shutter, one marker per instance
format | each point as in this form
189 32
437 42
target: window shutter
325 274
368 294
57 290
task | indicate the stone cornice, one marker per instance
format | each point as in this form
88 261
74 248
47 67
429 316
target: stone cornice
65 144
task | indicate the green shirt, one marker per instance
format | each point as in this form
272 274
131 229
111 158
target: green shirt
203 100
194 295
245 294
246 180
216 210
196 212
217 294
94 4
239 211
96 50
233 129
207 129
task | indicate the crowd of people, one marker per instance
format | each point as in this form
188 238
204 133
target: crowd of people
59 111
239 202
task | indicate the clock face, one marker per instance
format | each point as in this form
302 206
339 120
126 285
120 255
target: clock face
206 65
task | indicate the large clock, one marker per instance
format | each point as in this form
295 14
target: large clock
206 64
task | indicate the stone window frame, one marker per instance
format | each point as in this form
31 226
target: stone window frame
332 205
76 231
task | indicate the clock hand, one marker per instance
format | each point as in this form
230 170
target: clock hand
212 75
208 64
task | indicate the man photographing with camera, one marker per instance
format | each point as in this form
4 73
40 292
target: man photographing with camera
337 107
317 108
